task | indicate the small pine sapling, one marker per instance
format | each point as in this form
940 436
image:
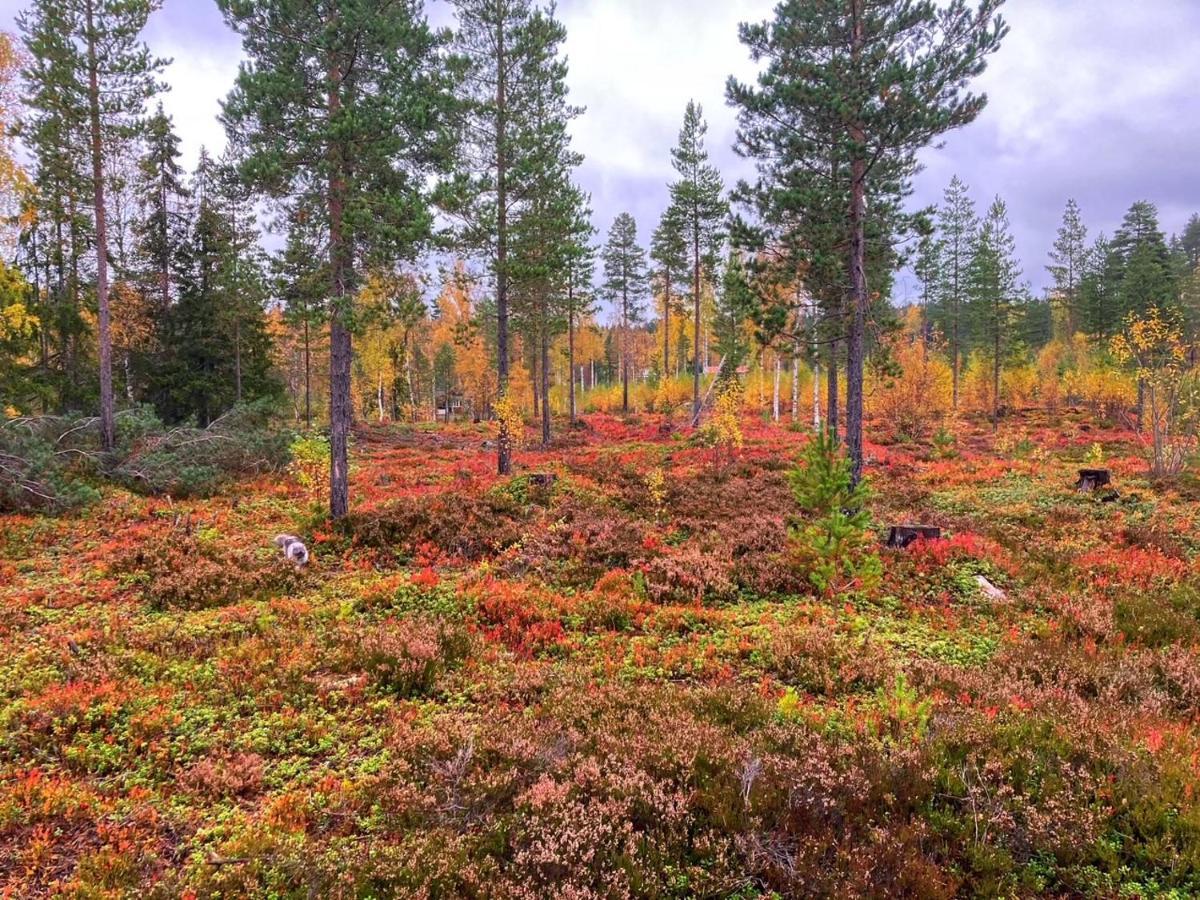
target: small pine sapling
833 545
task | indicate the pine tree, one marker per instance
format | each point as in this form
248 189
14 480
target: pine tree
700 205
544 231
1066 267
669 252
102 74
625 285
348 100
994 291
493 39
856 87
958 225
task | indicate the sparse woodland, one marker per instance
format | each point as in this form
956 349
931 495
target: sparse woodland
644 559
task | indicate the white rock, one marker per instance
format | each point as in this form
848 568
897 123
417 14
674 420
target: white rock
989 590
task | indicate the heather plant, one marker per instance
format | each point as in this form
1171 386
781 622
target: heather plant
833 545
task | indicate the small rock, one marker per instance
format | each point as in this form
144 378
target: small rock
989 590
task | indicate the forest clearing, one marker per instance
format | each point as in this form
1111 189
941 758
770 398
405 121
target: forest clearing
619 684
599 450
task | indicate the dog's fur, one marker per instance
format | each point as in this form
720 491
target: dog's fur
293 549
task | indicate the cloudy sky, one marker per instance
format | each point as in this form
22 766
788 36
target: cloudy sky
1091 99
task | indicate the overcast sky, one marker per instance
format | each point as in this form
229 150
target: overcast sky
1091 99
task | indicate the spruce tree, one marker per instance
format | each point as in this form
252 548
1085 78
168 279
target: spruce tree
161 192
1142 263
859 86
625 286
1098 290
700 205
1066 267
348 101
55 132
216 353
1189 244
301 283
928 269
669 253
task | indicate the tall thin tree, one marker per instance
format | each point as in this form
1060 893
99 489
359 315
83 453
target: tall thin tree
351 100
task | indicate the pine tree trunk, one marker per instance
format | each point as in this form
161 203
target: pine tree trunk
699 367
103 321
666 368
545 384
816 398
237 360
504 440
571 356
855 349
340 349
996 377
625 349
307 377
832 411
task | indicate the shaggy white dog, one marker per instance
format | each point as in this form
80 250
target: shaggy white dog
293 549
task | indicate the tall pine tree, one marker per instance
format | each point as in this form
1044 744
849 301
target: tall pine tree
994 292
698 201
861 85
347 101
669 253
625 286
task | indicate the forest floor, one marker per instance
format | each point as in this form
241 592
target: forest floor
617 685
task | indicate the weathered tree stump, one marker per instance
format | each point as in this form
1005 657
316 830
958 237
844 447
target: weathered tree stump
900 536
1090 479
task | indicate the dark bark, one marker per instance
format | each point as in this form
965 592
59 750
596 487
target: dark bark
503 441
340 350
103 319
545 385
571 352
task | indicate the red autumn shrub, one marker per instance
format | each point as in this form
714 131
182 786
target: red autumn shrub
180 570
512 615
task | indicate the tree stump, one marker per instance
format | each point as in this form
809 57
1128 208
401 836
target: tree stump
1090 479
900 536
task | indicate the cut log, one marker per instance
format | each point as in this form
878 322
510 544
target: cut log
1090 479
900 536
